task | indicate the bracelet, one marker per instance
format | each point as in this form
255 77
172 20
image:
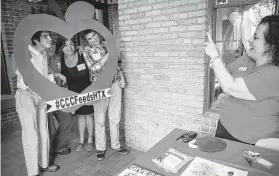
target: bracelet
212 60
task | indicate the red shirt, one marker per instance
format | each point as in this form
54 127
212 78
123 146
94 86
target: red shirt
247 120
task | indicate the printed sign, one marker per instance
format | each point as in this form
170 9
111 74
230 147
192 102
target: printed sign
66 25
67 102
136 170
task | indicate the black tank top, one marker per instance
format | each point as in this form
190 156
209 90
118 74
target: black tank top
78 80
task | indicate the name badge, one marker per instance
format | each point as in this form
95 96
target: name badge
242 69
59 65
96 56
81 67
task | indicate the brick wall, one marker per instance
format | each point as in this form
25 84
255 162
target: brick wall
114 21
13 11
9 117
162 43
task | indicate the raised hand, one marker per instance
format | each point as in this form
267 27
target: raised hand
210 47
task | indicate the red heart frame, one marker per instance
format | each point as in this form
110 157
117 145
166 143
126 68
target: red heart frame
38 83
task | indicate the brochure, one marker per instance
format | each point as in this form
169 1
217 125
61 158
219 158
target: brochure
203 167
172 160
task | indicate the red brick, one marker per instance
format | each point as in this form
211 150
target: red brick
194 1
197 28
178 29
126 17
160 30
144 20
188 8
187 21
169 35
131 10
137 27
144 8
169 11
178 16
140 3
151 1
196 13
153 25
161 5
153 13
122 6
160 18
169 23
138 15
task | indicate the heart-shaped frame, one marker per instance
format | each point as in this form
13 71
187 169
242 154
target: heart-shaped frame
73 24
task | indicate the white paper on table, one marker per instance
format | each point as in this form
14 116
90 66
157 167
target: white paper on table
172 161
203 167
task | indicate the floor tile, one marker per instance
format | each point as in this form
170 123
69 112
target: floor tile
74 164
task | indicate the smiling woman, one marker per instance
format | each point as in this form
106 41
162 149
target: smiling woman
250 113
234 23
73 67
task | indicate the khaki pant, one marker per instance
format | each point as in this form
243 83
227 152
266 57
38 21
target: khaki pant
35 135
113 104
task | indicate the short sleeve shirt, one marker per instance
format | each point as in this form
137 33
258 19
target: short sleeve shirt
95 54
247 120
54 64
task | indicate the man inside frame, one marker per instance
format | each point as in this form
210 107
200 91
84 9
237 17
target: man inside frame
31 108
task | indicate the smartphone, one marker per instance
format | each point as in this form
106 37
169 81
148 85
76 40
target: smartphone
188 136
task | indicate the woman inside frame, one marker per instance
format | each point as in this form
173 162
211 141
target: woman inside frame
73 67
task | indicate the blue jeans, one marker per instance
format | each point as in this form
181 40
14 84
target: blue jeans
59 137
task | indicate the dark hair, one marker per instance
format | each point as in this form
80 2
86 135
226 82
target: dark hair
271 36
60 43
37 36
87 31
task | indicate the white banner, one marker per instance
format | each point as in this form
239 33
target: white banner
74 100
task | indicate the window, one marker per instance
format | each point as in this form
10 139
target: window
5 88
233 23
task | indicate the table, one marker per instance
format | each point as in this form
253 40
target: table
231 156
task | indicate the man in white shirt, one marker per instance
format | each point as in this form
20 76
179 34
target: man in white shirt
31 109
